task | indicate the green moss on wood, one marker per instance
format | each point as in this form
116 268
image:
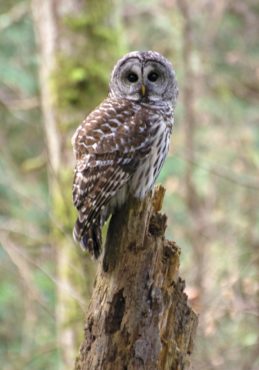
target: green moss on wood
80 81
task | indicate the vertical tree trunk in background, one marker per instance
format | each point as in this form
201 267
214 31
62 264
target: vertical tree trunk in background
193 201
138 316
69 309
73 42
47 33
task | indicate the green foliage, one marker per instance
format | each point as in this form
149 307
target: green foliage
23 199
224 170
81 78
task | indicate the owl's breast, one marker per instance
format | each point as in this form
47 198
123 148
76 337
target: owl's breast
150 166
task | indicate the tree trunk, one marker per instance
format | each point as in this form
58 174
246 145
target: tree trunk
138 316
72 289
76 57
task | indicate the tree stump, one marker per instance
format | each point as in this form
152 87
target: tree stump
138 317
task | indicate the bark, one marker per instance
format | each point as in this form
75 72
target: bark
138 317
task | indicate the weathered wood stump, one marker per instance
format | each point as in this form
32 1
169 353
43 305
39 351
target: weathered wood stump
138 317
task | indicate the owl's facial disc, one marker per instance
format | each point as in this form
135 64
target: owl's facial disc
144 76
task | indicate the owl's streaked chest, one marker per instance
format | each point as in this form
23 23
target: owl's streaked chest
149 168
150 165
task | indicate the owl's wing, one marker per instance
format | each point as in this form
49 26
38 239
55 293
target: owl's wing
108 146
112 127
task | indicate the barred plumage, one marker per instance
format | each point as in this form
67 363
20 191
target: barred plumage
121 146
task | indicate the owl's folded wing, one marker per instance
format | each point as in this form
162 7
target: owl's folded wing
108 147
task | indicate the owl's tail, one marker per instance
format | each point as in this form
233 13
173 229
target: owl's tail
90 239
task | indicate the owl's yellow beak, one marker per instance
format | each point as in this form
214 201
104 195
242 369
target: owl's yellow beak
143 90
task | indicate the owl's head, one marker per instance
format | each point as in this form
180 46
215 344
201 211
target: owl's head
144 76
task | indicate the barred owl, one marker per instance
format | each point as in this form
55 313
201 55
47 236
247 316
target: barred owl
121 146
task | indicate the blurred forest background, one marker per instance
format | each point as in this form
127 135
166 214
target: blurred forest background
55 61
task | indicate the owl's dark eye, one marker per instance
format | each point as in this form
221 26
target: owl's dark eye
132 77
152 76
